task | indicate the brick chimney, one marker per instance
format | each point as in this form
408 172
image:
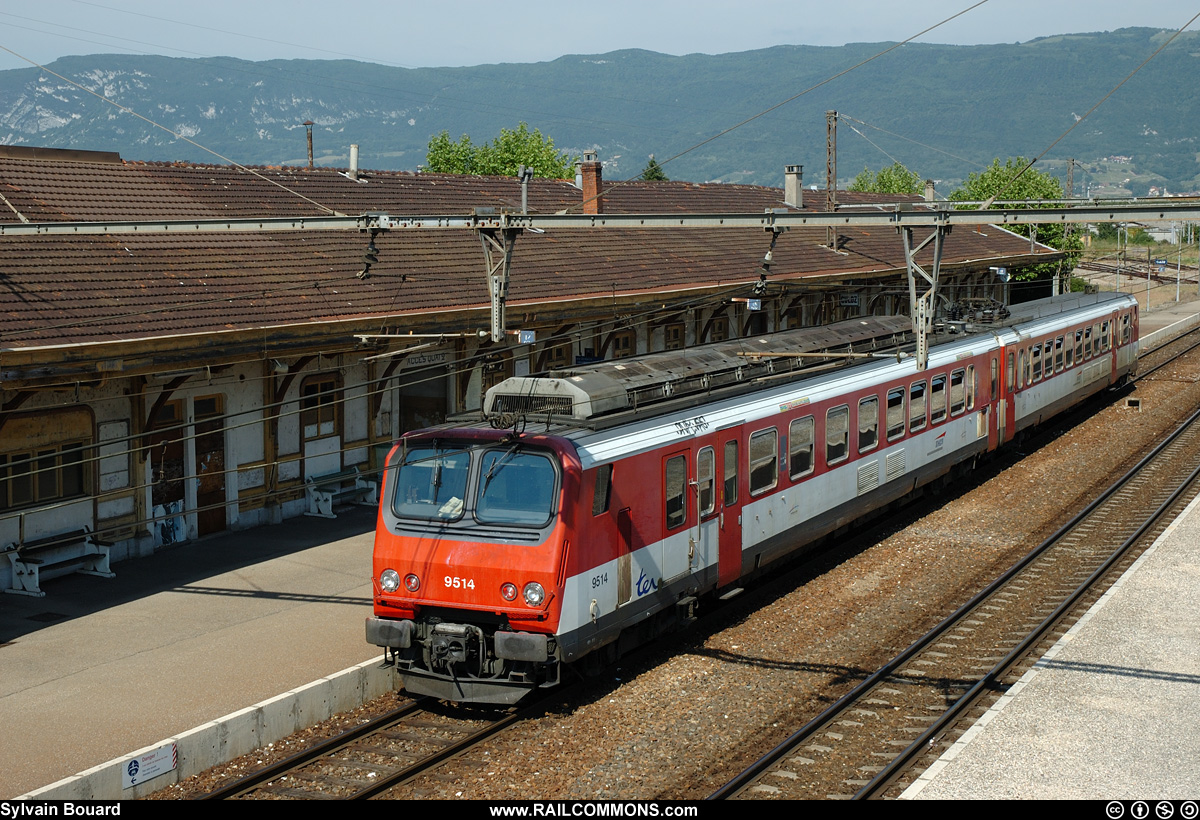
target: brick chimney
591 178
793 185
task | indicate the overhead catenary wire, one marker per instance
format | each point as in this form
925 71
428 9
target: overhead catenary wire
1090 111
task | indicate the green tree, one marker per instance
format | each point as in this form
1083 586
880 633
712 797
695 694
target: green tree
653 172
503 156
895 179
1006 182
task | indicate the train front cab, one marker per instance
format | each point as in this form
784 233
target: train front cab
470 549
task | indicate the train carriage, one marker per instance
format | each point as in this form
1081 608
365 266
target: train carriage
609 498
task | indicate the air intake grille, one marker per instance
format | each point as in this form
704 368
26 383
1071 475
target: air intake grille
531 405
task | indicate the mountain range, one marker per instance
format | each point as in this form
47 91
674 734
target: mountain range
943 111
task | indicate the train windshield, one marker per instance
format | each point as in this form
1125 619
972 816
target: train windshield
515 488
432 483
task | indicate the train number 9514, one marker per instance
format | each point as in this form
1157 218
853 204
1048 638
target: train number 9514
454 582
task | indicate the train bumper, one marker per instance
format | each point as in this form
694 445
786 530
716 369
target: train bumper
460 662
394 634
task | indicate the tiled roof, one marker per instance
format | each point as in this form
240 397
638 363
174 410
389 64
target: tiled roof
58 290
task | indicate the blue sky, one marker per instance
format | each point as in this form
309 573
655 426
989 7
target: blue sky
439 34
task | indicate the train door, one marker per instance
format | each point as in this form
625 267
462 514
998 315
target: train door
677 538
704 552
729 504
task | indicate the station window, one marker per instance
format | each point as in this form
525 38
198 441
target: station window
673 337
319 406
916 406
764 449
719 331
800 447
895 413
937 398
675 485
868 423
559 356
42 475
624 344
837 434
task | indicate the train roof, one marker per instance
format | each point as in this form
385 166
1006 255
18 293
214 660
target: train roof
600 395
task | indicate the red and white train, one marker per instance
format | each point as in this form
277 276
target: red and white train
621 492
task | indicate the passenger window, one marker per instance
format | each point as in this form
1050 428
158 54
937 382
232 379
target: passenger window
1021 369
895 413
1079 345
916 406
764 448
675 484
706 467
1009 376
1070 350
837 434
603 489
868 424
1104 337
731 473
1035 356
1058 354
971 387
1087 342
958 391
800 447
937 398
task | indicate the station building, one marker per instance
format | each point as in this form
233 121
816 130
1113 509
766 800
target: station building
156 388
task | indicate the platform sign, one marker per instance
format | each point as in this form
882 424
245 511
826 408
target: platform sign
149 766
527 337
754 304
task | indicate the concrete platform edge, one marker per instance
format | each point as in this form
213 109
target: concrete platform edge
914 790
231 736
1168 333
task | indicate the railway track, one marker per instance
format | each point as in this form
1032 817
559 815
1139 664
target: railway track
873 742
367 761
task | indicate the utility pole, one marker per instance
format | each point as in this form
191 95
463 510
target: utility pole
831 174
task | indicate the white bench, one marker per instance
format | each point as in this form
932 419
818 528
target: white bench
58 554
346 486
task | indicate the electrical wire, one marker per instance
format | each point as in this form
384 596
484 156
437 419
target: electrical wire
792 98
1089 112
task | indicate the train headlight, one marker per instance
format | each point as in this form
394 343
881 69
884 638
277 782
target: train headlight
389 579
411 582
534 594
508 592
